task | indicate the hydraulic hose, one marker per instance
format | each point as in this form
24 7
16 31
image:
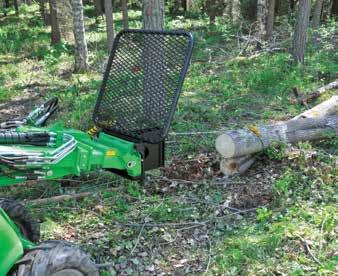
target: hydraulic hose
38 117
28 138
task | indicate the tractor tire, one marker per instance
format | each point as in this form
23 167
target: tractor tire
56 258
23 219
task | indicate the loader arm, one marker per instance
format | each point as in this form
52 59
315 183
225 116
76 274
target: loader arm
133 114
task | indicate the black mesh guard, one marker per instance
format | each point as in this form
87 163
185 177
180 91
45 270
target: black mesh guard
142 83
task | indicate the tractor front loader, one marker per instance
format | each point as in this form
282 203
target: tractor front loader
132 117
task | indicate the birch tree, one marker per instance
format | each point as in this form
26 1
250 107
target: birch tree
81 51
108 7
261 18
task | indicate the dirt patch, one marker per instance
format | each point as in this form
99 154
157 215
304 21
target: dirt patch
18 107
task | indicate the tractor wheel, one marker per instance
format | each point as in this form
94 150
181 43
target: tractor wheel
56 258
23 219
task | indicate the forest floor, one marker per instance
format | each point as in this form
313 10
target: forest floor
187 218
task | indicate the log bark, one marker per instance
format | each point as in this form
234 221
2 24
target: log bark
239 165
327 108
242 142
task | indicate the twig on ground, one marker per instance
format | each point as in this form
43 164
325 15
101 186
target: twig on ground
60 198
308 250
321 234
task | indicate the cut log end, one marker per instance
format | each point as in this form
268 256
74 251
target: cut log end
225 145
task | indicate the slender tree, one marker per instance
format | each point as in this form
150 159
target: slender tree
125 17
334 9
98 8
261 6
300 34
108 7
317 13
16 6
43 12
81 51
235 11
55 35
211 6
270 19
153 14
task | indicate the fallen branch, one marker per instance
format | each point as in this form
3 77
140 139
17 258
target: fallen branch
327 108
304 99
60 198
308 250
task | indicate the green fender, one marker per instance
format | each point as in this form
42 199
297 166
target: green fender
12 244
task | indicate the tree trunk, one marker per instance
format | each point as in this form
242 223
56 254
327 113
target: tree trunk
16 6
261 6
43 12
211 7
300 35
65 20
55 35
108 7
334 9
81 51
175 7
98 8
228 8
292 4
125 17
270 19
317 13
153 14
236 11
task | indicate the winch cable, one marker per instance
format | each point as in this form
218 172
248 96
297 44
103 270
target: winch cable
38 117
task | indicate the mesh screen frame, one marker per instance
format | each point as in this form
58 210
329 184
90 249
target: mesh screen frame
153 131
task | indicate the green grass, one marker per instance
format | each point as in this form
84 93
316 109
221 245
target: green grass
221 90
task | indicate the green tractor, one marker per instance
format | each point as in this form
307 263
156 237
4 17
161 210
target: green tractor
133 113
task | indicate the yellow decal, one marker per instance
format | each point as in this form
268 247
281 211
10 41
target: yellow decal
111 153
254 130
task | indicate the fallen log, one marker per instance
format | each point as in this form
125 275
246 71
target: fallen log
304 99
238 165
329 107
242 142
